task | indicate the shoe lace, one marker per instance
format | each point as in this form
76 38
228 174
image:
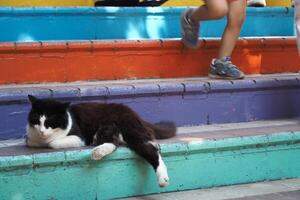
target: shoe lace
225 66
228 65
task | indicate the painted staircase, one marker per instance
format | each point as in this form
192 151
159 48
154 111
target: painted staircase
229 132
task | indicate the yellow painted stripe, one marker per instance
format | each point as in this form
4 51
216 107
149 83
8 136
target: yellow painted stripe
169 3
183 3
47 3
278 2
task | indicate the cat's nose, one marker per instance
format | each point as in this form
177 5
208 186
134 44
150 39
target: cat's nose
42 133
42 129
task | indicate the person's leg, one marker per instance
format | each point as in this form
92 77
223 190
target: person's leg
235 19
222 66
212 9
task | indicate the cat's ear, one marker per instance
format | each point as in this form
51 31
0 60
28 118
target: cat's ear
32 99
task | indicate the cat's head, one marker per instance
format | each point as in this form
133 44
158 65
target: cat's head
48 116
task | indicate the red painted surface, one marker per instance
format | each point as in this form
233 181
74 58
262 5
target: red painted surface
127 59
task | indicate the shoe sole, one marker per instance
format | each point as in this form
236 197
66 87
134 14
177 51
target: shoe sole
225 78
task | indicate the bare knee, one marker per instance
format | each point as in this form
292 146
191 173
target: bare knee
217 11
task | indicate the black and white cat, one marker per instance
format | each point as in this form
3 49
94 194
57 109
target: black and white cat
58 125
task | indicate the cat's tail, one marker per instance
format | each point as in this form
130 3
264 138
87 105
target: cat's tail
164 129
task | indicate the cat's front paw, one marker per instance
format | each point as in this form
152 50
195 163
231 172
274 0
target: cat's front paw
55 145
97 154
102 150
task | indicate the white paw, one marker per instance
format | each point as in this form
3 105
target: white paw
102 150
162 173
55 145
98 153
163 181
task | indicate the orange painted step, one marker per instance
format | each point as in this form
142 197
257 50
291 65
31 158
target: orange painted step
132 59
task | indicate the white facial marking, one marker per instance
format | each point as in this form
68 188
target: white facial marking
42 129
161 173
42 120
44 132
102 150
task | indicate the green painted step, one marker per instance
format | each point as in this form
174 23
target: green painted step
199 157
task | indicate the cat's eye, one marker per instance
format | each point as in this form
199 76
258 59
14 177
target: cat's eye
51 117
49 123
34 119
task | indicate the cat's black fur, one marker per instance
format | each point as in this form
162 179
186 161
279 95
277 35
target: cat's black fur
107 120
99 123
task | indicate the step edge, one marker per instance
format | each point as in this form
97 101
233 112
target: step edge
144 45
17 95
262 142
73 10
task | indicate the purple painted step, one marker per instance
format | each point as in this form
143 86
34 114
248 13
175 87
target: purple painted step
184 101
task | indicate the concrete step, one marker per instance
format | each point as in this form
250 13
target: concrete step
186 101
272 190
199 157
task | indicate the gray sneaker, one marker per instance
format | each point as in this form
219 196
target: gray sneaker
224 69
189 30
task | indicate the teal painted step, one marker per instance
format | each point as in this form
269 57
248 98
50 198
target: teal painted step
200 157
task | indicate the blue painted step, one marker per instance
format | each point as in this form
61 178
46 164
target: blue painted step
43 24
190 101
